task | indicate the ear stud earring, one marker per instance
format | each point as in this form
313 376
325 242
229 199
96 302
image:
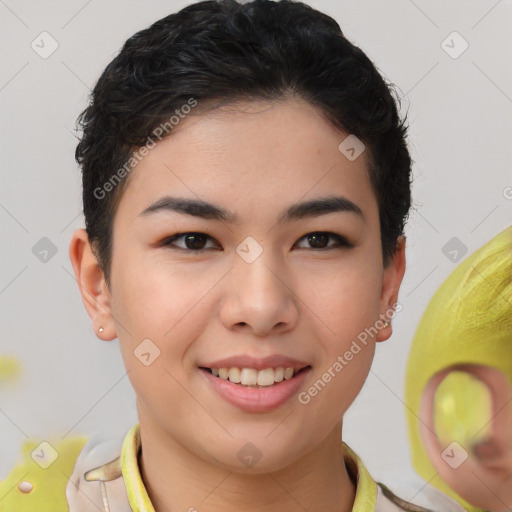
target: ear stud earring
100 329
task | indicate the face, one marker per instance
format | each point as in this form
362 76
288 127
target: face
256 285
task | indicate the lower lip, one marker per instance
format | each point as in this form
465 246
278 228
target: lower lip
257 399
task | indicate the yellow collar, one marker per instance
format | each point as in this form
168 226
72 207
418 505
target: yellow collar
137 494
366 487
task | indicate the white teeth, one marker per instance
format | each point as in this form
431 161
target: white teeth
248 377
252 377
234 375
266 377
278 374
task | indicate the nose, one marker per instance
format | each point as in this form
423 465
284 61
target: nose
259 298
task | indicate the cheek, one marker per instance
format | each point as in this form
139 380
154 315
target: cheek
160 299
344 306
345 297
158 311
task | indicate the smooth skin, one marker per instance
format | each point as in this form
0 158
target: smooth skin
302 297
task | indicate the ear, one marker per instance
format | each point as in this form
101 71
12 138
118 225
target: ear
391 281
92 285
476 460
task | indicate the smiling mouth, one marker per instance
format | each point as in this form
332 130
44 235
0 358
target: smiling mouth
251 378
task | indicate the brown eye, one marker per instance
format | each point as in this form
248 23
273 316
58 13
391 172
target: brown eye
319 240
194 242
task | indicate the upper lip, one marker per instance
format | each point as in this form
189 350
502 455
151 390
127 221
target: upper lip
247 361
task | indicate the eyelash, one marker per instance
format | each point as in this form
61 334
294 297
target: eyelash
342 241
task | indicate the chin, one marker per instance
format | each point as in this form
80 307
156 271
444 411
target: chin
255 456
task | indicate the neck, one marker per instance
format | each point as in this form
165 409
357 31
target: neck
177 479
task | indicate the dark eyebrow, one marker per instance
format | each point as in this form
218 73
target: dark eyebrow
204 210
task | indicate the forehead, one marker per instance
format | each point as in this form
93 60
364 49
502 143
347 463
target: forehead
247 156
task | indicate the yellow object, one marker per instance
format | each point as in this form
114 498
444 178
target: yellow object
468 320
9 368
35 484
462 410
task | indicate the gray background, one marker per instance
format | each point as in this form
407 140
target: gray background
460 114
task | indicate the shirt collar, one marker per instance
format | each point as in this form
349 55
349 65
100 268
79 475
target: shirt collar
366 487
137 494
